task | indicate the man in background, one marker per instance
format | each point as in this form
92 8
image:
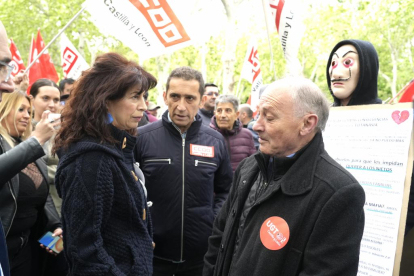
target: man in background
152 111
239 140
66 86
211 92
246 118
187 174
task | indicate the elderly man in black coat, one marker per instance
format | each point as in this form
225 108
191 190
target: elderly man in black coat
292 209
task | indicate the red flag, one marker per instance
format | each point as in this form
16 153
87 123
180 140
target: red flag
408 94
16 59
35 72
48 69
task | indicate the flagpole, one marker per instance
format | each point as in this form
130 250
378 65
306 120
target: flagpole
398 94
266 15
238 86
56 36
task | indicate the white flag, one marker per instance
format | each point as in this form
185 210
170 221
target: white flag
287 20
149 27
72 62
251 72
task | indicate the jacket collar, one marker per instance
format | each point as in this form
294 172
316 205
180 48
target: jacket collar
237 126
192 131
298 179
208 113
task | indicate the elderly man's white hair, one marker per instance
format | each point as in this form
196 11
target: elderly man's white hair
306 95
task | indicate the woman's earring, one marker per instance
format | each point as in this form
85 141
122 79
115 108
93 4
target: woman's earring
109 118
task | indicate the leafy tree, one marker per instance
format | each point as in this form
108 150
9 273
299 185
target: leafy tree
385 23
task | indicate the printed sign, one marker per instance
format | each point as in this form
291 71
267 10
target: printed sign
204 151
372 143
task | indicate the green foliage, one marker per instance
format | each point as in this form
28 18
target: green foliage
388 24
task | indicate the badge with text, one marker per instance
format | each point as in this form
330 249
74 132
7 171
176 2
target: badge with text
274 233
203 151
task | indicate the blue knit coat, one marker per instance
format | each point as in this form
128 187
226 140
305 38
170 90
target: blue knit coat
106 224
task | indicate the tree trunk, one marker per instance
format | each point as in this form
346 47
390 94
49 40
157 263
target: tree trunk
229 57
394 59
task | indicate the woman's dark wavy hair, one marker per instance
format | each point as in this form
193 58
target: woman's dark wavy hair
85 113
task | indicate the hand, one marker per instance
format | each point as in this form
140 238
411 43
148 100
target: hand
57 232
45 129
21 81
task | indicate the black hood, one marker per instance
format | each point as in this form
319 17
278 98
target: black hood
366 91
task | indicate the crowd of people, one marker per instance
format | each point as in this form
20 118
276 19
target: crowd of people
206 188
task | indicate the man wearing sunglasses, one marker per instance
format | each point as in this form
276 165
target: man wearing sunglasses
208 102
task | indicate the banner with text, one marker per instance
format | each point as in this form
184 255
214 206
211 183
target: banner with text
149 27
287 20
372 143
72 61
251 72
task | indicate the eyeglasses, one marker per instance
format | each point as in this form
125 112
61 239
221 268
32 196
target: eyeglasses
212 93
5 71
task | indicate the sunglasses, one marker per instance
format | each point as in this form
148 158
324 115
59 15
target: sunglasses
212 93
5 71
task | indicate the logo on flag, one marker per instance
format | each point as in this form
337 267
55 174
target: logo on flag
149 27
16 59
72 62
251 72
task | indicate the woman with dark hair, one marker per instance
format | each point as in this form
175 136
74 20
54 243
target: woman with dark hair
46 96
26 211
104 212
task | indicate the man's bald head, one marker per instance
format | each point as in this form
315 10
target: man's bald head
5 57
5 54
306 96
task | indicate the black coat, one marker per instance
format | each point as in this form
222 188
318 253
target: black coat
12 161
187 190
106 221
320 201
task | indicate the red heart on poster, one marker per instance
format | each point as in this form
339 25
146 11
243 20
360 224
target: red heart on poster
400 118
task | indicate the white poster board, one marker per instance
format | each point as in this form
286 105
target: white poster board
373 143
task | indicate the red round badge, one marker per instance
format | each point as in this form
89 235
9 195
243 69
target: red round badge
274 233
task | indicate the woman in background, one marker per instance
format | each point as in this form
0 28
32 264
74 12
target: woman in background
25 208
104 211
45 95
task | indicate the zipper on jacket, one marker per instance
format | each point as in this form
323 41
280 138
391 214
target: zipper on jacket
158 160
182 206
203 162
15 210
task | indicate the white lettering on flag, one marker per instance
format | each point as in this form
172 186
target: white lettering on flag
150 28
287 20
